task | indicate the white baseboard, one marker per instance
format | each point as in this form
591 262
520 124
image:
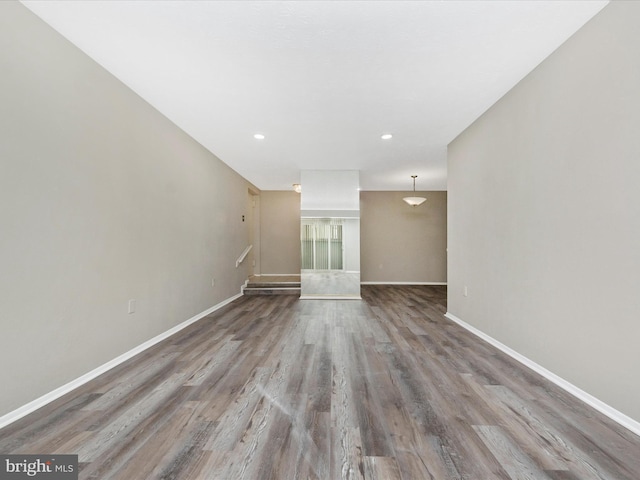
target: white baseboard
615 415
403 283
64 389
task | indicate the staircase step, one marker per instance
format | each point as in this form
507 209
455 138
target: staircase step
271 290
273 285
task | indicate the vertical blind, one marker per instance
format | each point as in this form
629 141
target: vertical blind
321 244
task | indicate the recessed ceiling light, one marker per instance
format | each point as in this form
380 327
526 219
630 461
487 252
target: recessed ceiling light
258 136
386 136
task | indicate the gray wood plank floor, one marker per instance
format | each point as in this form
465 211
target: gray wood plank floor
274 387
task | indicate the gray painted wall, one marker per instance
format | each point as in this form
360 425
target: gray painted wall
280 232
102 200
400 243
544 213
409 243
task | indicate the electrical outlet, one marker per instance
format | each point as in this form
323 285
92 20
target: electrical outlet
213 282
132 306
466 291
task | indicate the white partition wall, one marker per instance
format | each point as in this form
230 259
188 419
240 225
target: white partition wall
330 234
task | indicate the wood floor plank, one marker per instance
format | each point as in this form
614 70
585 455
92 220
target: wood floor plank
587 466
105 438
346 453
274 387
51 422
132 380
217 363
537 445
381 468
346 445
513 459
374 432
237 415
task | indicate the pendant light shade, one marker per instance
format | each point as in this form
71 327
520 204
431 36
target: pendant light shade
414 201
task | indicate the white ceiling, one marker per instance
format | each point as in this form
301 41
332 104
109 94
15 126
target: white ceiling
322 80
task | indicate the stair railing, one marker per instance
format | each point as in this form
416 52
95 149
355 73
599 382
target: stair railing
243 255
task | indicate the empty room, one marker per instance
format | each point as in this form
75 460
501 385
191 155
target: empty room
319 240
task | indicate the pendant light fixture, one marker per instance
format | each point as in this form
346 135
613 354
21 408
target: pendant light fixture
414 201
